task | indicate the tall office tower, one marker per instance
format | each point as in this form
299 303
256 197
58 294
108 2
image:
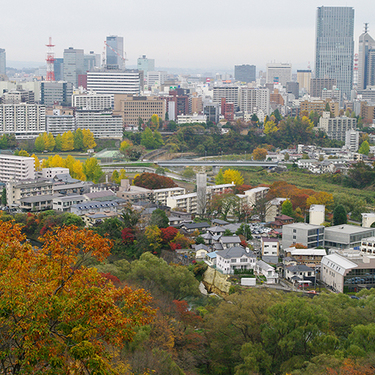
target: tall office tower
91 61
145 64
279 73
73 65
335 46
245 73
58 68
3 61
115 52
366 53
303 78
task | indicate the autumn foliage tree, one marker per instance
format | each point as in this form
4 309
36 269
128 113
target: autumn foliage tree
153 181
56 315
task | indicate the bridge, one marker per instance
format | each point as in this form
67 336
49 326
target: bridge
215 163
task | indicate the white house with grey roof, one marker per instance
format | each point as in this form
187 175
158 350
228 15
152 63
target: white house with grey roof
235 258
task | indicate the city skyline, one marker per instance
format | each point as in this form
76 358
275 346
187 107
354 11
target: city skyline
191 35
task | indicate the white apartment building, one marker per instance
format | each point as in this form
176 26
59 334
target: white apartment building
102 123
352 140
254 195
191 119
189 202
161 195
23 120
114 82
14 167
230 93
59 124
252 100
93 101
279 73
336 127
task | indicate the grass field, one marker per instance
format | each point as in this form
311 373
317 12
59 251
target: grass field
256 176
77 155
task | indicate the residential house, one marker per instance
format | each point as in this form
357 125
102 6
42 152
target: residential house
235 258
221 242
300 274
191 227
268 271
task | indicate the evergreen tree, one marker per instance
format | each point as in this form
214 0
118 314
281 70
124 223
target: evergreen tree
4 197
287 208
339 215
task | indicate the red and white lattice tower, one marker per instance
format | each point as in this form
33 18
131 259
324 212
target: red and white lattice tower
50 61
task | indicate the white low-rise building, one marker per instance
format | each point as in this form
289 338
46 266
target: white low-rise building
52 172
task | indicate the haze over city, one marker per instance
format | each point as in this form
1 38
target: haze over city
195 35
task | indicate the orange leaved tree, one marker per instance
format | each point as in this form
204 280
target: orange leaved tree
56 315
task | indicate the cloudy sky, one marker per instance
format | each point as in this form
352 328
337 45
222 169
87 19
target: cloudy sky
204 34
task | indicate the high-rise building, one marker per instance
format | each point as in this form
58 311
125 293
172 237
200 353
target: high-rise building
293 88
3 59
366 60
335 46
58 68
303 78
230 93
115 52
114 81
73 65
317 85
245 73
279 73
145 64
23 120
253 99
57 92
91 61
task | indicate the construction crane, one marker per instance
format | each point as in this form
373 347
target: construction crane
112 49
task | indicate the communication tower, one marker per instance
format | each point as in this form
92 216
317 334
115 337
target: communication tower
50 61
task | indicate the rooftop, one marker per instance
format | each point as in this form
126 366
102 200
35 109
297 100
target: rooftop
235 252
347 229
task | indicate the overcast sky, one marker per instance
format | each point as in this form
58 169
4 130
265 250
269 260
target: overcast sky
205 34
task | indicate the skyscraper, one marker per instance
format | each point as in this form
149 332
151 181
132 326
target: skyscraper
335 46
2 61
73 65
366 59
115 52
